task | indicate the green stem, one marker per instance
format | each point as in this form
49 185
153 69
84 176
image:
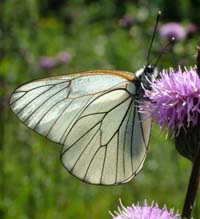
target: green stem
2 127
198 60
192 187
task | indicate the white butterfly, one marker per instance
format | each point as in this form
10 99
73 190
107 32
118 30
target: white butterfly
94 116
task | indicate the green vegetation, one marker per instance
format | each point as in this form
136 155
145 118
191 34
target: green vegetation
33 183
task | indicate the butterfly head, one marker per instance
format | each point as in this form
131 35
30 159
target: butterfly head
144 77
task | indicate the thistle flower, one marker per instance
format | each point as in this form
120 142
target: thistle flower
174 100
63 57
51 62
172 29
47 62
174 103
191 30
126 21
144 212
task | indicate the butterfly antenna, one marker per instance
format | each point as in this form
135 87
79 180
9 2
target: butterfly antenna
164 49
153 37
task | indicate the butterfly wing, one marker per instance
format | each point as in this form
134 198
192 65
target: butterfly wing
94 116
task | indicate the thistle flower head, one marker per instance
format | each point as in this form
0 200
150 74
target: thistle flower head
63 57
126 21
174 99
172 29
47 62
191 30
144 212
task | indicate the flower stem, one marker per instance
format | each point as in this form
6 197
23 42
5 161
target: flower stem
192 187
198 60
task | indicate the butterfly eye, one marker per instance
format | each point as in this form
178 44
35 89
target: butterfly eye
149 69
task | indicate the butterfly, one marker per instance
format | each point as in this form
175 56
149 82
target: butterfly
95 116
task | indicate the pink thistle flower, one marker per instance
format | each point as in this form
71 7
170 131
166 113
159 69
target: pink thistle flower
144 212
172 29
126 21
47 62
174 99
191 30
63 57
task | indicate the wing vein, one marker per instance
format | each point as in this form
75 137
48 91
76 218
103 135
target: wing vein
81 154
53 95
33 100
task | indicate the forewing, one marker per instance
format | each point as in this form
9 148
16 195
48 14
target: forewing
51 106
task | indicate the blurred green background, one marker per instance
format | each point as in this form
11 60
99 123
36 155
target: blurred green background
45 38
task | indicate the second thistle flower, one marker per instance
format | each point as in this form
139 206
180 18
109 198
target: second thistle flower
144 211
